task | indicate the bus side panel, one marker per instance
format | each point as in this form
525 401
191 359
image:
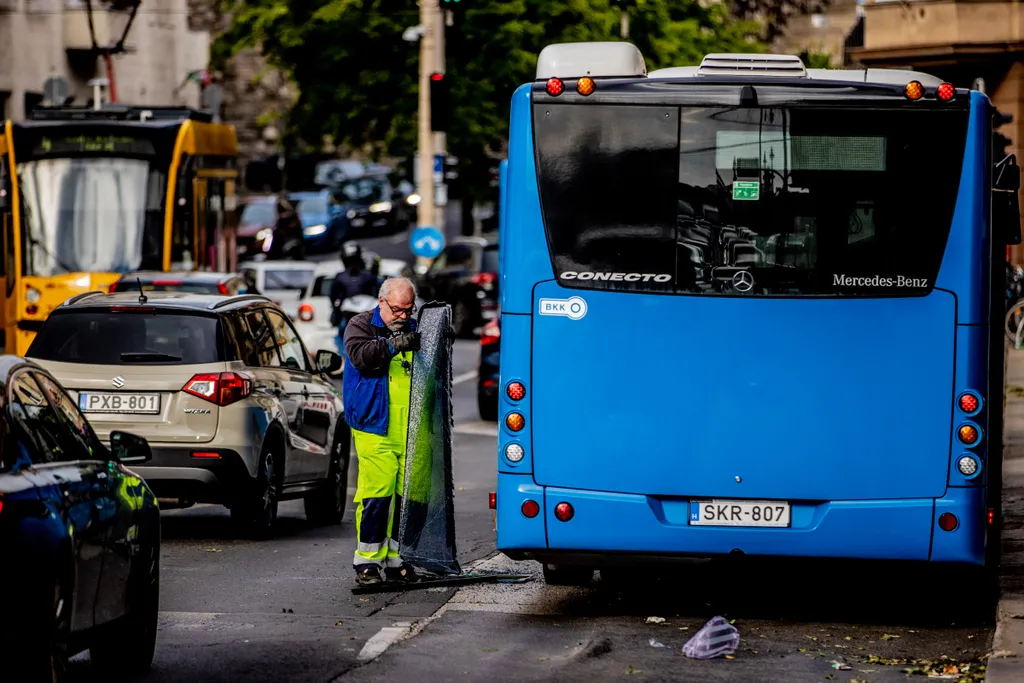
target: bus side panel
516 530
971 374
529 250
964 268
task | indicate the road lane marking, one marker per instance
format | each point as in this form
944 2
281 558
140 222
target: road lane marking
464 377
382 640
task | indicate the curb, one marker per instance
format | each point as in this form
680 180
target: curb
1006 662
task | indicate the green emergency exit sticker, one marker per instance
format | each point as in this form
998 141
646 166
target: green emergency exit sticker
746 190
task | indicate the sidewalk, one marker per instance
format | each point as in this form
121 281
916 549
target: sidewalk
1006 665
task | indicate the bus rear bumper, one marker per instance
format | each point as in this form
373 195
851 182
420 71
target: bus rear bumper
616 526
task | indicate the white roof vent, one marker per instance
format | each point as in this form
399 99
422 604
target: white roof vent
596 59
752 65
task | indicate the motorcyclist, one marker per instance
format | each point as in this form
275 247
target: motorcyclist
288 237
355 279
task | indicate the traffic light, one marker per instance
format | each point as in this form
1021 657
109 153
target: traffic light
439 106
455 5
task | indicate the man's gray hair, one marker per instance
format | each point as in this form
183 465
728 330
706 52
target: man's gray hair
393 283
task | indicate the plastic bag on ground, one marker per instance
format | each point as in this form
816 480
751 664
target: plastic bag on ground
427 528
716 638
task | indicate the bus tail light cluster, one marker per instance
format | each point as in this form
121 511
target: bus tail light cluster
914 90
969 403
222 389
584 86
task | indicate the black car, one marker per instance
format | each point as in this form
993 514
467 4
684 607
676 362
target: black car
372 205
80 534
487 373
465 276
196 282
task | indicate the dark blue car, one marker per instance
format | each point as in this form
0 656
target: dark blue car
324 226
488 372
79 536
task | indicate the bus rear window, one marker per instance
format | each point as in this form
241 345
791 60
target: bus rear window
102 336
748 201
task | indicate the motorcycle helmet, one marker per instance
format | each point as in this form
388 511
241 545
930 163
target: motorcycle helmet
350 250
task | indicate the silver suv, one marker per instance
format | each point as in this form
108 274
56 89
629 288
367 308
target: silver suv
235 409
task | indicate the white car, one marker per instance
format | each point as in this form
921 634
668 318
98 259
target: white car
313 321
282 281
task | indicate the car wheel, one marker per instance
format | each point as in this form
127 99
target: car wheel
127 649
488 406
257 513
326 505
38 638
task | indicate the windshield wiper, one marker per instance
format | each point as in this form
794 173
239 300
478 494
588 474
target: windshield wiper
143 356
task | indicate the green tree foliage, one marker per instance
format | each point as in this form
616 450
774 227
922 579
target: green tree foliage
358 79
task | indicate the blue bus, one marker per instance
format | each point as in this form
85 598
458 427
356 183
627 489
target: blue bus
752 308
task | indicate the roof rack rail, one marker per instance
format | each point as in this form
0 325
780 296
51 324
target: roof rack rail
118 112
79 297
240 297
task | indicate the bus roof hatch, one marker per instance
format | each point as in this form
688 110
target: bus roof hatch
613 59
752 65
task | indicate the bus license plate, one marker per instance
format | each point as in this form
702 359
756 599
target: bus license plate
764 513
119 403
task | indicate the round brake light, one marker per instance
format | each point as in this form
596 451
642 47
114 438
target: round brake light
515 391
305 313
530 508
969 403
555 87
948 521
946 92
564 512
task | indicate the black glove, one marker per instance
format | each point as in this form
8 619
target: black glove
449 333
407 341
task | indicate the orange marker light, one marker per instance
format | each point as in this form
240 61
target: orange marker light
585 85
515 422
968 434
914 90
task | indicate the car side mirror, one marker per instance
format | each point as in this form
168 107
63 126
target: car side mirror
328 362
1005 201
129 448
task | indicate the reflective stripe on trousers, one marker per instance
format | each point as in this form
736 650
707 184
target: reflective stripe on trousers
381 475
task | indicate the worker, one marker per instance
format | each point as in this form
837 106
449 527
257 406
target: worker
376 389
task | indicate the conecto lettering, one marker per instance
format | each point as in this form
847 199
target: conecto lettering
615 277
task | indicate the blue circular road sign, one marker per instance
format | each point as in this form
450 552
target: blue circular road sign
426 241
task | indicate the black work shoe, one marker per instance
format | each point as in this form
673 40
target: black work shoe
369 576
403 574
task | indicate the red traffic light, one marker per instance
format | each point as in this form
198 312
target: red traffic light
436 77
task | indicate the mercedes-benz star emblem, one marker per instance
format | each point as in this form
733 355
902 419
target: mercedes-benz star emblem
743 281
118 381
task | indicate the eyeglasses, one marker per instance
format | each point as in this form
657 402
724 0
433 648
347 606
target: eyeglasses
407 312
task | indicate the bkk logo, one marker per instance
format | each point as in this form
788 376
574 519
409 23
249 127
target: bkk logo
879 281
615 277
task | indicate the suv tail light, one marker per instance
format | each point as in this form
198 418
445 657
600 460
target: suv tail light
223 389
491 334
484 279
306 312
222 288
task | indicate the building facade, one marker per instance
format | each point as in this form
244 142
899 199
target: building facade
51 40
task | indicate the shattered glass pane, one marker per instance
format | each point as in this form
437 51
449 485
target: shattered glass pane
427 529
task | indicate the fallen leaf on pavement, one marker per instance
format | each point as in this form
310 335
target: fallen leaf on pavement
213 550
655 620
340 623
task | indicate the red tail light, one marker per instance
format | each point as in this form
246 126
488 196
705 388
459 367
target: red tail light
484 278
492 500
306 312
222 288
946 92
1 503
223 389
113 288
491 333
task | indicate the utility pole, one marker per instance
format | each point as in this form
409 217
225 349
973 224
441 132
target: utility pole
440 139
429 10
